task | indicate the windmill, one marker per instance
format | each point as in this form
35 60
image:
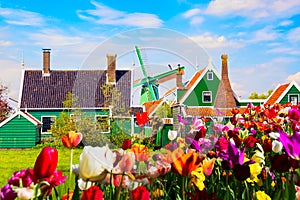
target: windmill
150 84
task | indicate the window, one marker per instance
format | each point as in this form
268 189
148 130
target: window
103 123
206 97
294 98
210 76
47 122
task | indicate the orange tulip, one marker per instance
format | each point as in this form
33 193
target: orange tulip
141 152
208 165
186 163
71 140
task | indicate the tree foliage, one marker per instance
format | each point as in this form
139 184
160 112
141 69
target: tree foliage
5 108
254 95
164 111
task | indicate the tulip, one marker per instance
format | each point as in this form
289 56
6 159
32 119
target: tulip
71 140
127 162
93 193
25 193
140 192
208 165
142 119
186 163
94 161
172 135
141 152
46 163
126 144
291 144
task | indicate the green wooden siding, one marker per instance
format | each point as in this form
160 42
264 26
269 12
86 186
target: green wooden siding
195 98
293 90
19 133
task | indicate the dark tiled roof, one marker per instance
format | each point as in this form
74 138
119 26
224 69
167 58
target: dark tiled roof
50 91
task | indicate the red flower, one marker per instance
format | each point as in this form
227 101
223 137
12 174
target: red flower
250 141
46 163
140 192
93 193
142 119
126 144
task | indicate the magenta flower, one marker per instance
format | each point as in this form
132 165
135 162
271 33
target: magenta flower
291 144
182 121
6 193
54 180
234 154
26 175
196 125
294 114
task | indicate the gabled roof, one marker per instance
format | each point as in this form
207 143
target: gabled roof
195 80
279 92
46 92
26 115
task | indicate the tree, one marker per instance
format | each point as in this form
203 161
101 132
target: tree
254 95
164 111
5 108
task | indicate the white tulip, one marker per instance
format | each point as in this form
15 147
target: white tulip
172 135
276 146
95 162
25 193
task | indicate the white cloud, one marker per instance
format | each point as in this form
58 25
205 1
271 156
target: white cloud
265 34
4 43
286 23
214 41
294 35
294 77
10 76
21 17
285 50
191 13
254 9
52 38
109 16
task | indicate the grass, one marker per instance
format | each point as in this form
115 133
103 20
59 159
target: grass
12 160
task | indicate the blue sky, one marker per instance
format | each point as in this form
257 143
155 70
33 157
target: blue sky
261 37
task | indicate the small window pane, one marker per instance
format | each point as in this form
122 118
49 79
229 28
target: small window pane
47 122
294 99
103 123
209 76
206 96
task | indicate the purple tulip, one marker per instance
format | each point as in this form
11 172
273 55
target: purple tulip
291 144
6 193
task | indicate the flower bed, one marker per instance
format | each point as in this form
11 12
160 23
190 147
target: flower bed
254 156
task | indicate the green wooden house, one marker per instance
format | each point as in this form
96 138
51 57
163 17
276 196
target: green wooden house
43 92
284 93
20 130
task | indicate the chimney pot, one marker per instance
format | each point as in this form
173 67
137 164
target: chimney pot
46 61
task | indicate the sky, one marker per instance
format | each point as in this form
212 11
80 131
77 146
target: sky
260 37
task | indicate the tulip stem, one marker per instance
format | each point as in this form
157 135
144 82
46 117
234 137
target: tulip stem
183 187
71 162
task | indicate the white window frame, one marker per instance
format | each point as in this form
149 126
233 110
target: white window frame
212 76
106 116
47 116
203 94
293 95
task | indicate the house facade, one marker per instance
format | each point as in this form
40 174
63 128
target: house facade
43 92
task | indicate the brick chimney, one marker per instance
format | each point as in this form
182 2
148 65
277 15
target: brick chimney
111 68
179 78
46 61
225 97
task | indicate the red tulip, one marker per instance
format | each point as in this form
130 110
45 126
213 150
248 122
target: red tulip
71 140
140 192
142 119
93 193
126 144
46 163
